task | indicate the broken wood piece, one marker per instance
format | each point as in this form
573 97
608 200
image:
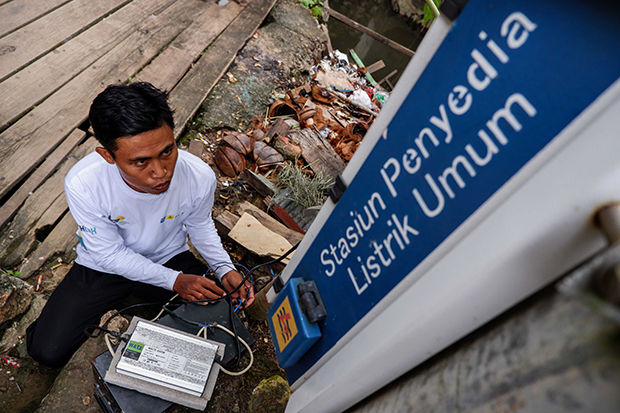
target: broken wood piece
385 79
279 128
284 216
261 184
293 210
264 218
318 153
224 222
257 238
375 66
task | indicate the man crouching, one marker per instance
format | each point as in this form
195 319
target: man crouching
135 200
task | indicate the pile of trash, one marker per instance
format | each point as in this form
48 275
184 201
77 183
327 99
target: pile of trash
338 104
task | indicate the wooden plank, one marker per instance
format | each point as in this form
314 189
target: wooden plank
32 210
28 87
192 90
279 128
375 66
224 222
60 239
291 236
392 73
286 218
292 208
371 33
38 133
44 207
41 36
258 182
11 206
29 240
18 13
318 153
170 66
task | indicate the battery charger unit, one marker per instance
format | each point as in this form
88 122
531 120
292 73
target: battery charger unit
114 398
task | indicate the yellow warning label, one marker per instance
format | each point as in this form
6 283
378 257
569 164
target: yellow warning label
284 324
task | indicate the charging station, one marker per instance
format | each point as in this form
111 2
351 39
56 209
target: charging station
473 189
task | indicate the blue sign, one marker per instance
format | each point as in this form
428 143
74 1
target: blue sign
507 79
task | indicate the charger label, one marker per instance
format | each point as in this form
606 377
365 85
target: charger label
283 322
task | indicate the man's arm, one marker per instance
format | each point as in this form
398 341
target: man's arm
205 238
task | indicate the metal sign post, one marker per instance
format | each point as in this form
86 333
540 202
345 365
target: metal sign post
471 191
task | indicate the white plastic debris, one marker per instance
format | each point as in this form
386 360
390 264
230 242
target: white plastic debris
361 98
341 56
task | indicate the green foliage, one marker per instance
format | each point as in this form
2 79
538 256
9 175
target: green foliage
428 13
306 191
315 7
13 273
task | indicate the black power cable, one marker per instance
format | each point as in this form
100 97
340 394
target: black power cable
227 296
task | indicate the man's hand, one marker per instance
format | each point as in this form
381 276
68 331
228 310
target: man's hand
194 287
231 280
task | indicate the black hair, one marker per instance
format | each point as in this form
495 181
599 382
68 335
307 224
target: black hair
127 110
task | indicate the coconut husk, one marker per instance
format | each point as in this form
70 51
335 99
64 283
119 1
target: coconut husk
258 135
240 142
265 154
229 161
282 108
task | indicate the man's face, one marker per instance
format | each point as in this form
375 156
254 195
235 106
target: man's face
145 161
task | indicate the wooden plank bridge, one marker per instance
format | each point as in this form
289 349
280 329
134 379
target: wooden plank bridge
55 57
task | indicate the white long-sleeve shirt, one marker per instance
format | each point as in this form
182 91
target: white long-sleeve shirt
132 234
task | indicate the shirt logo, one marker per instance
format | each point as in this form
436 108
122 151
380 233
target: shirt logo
92 230
118 220
79 236
170 217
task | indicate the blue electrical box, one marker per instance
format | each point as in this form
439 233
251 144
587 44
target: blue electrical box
291 331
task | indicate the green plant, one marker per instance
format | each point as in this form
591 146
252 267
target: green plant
13 273
428 13
315 6
305 191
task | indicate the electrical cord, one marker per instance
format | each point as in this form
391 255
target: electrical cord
227 296
247 275
203 331
210 300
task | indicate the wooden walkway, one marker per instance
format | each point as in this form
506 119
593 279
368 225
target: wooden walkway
55 57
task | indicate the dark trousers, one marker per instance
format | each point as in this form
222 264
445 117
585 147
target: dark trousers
81 299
